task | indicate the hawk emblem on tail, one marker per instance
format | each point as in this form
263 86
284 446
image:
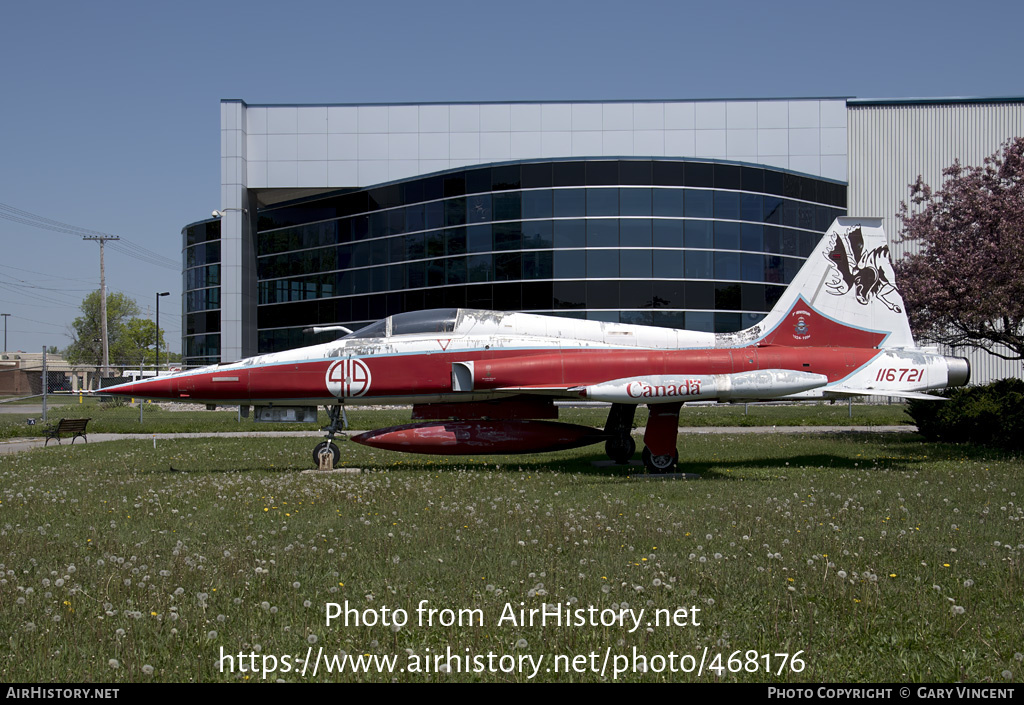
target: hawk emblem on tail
868 273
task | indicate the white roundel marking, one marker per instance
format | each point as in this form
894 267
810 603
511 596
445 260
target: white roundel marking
348 378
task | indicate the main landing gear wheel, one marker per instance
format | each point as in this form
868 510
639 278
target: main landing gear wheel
620 446
328 447
659 464
620 449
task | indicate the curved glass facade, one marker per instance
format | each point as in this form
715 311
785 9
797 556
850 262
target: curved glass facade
201 282
678 243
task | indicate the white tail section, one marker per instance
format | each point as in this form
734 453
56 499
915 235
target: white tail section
844 295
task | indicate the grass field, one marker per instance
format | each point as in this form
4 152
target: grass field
869 557
155 419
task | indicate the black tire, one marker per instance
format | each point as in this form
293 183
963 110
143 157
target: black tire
660 464
334 451
620 449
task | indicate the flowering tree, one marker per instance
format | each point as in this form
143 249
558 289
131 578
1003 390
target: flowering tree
965 287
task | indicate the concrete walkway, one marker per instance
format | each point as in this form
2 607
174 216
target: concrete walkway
16 445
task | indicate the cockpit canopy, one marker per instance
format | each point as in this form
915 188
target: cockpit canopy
438 320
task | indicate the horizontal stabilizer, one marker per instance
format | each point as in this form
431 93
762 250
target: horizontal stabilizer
844 393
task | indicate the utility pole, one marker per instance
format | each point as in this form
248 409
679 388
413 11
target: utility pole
103 299
6 316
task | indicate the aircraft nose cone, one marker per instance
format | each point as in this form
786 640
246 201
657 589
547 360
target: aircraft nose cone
157 388
126 389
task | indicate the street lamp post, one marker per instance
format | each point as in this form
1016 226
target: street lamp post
163 293
5 315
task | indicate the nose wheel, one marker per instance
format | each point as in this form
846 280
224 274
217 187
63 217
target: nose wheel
326 447
326 453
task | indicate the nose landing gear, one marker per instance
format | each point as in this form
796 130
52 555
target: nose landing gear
326 453
328 448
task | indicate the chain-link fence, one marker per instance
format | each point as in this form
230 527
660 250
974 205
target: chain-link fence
38 388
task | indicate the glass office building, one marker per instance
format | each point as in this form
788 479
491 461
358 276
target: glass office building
201 286
703 245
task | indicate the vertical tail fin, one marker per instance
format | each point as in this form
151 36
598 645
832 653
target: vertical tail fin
844 295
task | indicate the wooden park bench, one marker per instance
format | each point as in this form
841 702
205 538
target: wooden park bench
70 426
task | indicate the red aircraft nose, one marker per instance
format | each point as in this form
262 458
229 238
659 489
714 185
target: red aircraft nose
157 388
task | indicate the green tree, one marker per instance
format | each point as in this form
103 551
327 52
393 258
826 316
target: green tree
131 339
137 343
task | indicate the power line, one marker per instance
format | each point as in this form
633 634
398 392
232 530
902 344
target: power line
39 297
62 306
128 248
45 274
42 323
25 285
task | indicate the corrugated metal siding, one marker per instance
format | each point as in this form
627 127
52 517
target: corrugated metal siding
889 145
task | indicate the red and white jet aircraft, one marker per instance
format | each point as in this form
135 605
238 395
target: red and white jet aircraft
486 381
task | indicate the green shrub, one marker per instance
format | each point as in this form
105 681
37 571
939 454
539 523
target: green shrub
992 414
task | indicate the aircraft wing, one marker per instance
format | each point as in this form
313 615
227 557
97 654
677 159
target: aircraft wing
539 389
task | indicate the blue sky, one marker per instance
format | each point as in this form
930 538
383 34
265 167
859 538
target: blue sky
110 110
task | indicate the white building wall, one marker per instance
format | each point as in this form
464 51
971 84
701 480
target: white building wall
340 146
891 143
238 256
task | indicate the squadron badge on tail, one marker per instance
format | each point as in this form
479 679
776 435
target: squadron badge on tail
869 273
